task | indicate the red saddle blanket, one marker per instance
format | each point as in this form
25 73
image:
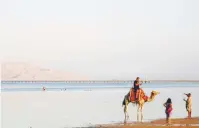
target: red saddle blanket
140 94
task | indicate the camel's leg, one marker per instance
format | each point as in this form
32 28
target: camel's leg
141 113
125 118
125 111
138 113
126 114
189 114
126 108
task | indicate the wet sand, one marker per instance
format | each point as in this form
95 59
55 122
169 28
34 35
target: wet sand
160 123
194 120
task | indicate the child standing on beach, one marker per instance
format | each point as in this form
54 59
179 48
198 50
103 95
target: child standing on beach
168 110
188 104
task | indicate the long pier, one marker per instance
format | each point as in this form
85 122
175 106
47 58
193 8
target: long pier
75 81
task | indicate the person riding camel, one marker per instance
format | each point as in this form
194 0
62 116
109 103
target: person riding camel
136 87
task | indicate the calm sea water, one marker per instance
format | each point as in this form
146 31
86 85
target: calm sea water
7 87
86 104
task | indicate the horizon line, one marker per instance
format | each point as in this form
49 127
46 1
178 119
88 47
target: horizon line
99 80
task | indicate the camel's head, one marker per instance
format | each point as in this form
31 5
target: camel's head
154 93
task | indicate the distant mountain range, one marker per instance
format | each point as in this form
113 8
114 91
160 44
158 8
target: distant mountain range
28 72
20 71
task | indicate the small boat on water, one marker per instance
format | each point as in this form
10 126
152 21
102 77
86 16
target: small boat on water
44 88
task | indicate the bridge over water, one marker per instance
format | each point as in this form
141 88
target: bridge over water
74 81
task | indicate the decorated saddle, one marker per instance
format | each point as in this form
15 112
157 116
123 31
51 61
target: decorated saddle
139 95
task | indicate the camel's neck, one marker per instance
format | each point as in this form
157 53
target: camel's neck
151 98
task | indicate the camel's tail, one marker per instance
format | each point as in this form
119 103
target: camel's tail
123 102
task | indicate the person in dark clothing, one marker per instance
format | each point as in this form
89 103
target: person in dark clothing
168 110
136 86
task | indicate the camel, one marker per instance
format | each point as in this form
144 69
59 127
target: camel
141 100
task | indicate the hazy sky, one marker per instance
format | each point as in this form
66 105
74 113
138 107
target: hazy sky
104 39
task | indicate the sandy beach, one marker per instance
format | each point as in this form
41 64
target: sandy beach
175 123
